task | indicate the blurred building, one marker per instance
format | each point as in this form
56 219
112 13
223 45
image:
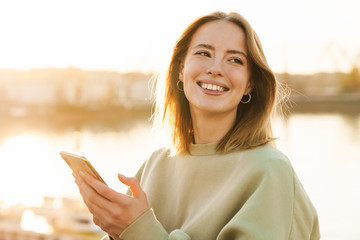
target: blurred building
47 88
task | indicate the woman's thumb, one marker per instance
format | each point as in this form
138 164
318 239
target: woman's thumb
133 184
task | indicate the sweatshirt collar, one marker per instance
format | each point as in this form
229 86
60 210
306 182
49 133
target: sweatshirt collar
203 149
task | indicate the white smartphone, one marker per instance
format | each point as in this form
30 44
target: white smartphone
79 163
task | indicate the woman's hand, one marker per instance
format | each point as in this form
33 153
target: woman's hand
112 211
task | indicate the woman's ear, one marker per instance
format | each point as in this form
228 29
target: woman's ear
181 68
249 88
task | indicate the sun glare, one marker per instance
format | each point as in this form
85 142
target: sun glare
115 43
32 222
19 178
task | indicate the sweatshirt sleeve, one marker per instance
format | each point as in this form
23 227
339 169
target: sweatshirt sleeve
147 227
274 208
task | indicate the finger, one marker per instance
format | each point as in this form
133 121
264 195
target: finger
106 214
134 186
92 198
98 186
90 179
102 189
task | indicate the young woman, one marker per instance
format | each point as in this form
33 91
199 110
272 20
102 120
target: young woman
223 178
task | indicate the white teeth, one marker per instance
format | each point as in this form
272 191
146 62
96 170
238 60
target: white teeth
212 87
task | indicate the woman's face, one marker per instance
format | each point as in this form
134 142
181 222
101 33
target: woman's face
215 71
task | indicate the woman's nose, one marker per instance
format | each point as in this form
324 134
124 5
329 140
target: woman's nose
215 68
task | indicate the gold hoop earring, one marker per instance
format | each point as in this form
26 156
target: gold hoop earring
178 86
245 102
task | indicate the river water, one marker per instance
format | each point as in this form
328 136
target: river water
323 148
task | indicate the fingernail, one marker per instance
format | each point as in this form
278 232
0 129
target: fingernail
82 173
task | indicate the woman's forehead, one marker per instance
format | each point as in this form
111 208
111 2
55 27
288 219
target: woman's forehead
221 33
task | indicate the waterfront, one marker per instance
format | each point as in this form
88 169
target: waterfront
323 148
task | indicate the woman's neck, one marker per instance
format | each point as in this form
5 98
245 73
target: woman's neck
210 128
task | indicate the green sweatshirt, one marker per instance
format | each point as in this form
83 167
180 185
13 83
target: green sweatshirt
250 194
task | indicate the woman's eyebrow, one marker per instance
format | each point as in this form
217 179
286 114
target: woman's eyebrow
203 45
210 47
237 52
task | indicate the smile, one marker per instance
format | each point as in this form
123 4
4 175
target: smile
212 87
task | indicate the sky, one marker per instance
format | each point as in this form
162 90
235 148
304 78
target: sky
297 36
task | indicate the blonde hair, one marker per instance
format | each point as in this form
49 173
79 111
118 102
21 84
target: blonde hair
253 122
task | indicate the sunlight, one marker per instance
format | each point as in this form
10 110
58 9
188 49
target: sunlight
14 144
117 44
32 222
18 174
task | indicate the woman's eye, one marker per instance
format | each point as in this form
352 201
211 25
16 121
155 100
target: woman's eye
238 61
203 53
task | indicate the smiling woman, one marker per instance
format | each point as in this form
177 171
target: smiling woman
222 178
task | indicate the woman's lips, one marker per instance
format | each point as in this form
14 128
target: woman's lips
212 87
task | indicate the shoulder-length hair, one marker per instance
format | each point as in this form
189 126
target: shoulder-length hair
253 121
